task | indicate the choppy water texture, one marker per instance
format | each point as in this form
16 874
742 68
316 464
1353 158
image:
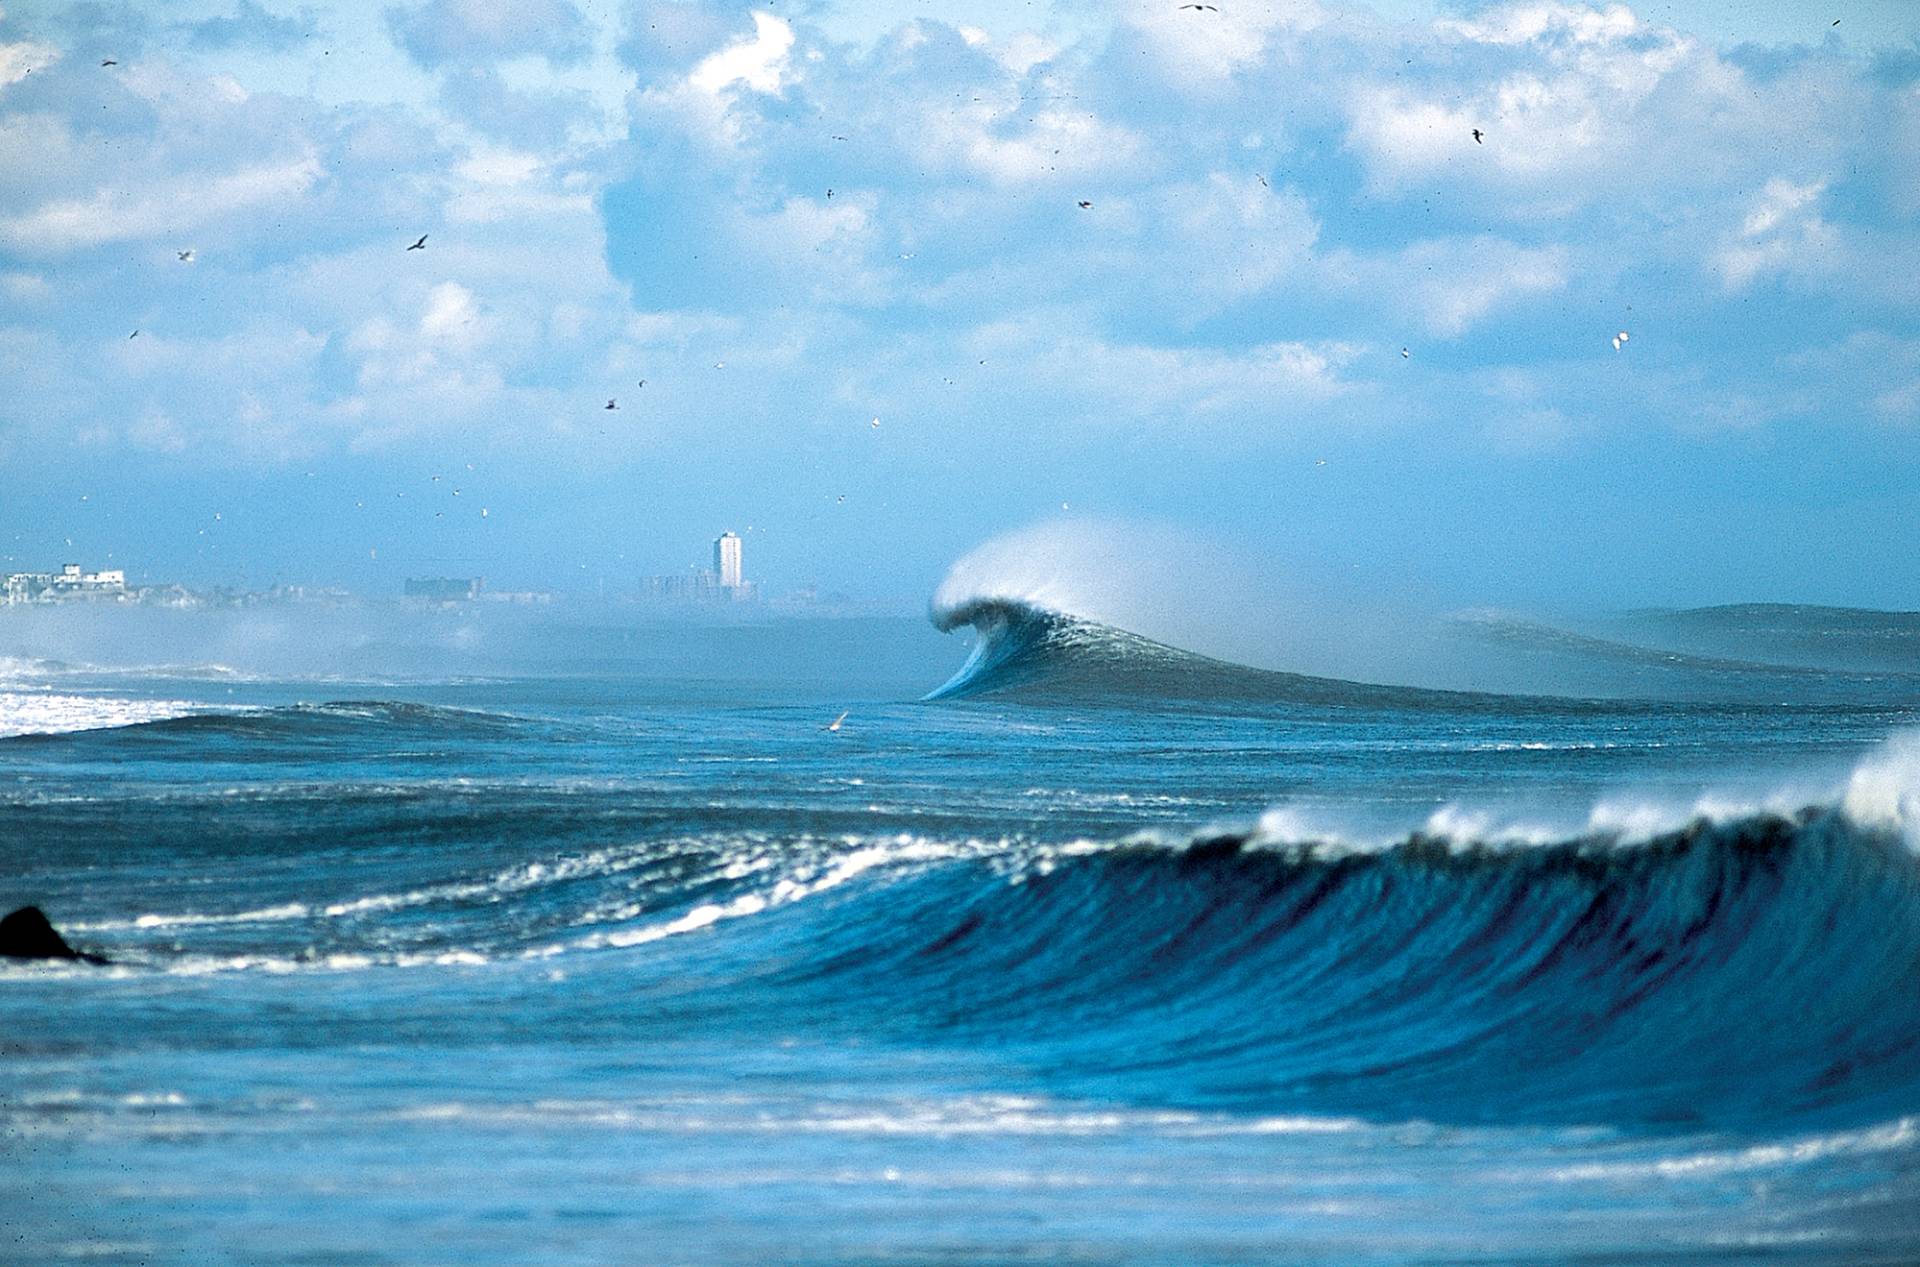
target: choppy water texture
1104 952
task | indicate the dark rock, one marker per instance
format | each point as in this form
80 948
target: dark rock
26 934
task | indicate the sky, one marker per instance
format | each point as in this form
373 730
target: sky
873 283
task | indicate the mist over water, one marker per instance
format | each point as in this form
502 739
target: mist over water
1243 602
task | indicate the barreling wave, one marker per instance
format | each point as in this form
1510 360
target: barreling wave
1024 648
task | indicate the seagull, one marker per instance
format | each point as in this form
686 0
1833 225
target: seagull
1479 137
1618 339
612 405
186 256
643 383
1208 7
421 245
834 725
1085 205
1404 354
829 193
109 62
876 424
134 335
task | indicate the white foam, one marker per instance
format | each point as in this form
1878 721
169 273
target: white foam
807 880
1887 1137
982 1115
46 713
1884 791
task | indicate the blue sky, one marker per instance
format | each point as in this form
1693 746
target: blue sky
794 219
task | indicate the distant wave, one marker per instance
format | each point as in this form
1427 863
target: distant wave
1025 648
26 716
1532 637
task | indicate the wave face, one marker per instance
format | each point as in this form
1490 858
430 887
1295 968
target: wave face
1753 975
1037 653
1736 975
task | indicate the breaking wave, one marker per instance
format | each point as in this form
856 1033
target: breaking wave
1035 652
1745 973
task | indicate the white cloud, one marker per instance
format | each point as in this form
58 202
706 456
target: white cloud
450 314
1566 108
1454 284
1011 144
173 207
1783 233
759 62
1201 48
468 30
1527 22
22 58
26 287
1085 377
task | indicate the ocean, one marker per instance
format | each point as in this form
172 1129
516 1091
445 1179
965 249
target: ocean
585 941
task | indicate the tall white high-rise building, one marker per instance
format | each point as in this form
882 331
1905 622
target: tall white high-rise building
726 560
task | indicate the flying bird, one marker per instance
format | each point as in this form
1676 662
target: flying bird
876 423
109 62
1479 137
1618 339
134 335
1404 354
1085 205
834 725
421 245
612 405
1208 7
186 257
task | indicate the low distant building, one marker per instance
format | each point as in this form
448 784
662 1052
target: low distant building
69 583
443 589
698 586
725 582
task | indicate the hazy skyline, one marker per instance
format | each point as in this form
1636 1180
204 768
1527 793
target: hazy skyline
793 220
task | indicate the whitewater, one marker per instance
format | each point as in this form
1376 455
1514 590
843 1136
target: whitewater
1093 948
